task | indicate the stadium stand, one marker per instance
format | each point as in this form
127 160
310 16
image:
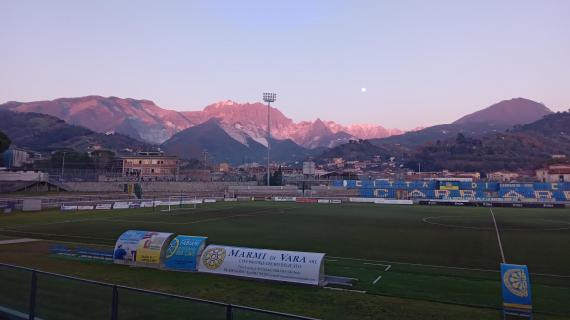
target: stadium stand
457 190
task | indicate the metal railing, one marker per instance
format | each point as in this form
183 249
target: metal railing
222 310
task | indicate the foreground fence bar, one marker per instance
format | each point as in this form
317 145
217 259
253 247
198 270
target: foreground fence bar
115 304
229 308
33 293
229 312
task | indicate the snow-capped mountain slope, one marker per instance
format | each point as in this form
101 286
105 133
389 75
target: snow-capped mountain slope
144 120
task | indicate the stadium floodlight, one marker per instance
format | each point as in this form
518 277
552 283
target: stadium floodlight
268 97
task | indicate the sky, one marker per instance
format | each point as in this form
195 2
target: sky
421 62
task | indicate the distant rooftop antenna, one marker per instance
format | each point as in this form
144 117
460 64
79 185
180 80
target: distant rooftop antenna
268 97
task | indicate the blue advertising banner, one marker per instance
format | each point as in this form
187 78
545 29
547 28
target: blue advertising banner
183 252
126 247
515 282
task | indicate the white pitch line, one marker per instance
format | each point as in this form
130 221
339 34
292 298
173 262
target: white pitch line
21 240
58 235
375 264
340 289
388 268
498 236
447 267
419 264
377 279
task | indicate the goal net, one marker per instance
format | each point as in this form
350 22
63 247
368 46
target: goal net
175 203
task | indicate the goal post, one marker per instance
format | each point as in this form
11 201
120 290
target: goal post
178 202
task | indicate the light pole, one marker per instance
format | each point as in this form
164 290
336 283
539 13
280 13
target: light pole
62 166
268 97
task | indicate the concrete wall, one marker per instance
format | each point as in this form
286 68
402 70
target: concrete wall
241 191
158 187
327 191
23 176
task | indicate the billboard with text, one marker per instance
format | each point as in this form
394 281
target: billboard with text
289 266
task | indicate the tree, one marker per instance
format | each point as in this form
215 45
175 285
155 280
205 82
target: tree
102 159
73 160
4 142
277 178
460 138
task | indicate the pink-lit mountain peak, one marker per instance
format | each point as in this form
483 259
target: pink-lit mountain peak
143 119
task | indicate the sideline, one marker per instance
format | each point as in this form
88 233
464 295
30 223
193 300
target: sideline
445 267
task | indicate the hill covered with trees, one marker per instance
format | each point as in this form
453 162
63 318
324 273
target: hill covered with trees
523 147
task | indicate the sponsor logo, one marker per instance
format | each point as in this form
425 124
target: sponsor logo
516 282
213 258
172 247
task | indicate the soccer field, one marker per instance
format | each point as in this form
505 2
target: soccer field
432 259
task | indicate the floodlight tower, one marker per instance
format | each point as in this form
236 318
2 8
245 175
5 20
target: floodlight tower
268 97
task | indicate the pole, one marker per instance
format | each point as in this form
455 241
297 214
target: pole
229 312
115 304
62 166
268 137
33 292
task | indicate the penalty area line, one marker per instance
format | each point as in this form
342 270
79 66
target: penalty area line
388 266
415 264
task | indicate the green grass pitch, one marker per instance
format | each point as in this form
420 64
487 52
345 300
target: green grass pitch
413 262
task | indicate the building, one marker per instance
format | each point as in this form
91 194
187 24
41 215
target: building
503 176
16 158
554 173
309 168
224 167
150 164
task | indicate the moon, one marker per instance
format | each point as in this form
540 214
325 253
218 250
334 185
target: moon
363 90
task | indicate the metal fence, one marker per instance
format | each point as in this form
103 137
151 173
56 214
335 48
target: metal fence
27 293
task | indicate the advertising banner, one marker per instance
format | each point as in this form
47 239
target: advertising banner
85 207
151 247
515 283
289 266
392 201
183 253
121 205
104 206
284 199
448 186
145 247
148 204
126 246
65 207
371 200
306 200
32 205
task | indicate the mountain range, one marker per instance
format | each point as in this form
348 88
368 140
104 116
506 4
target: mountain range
234 132
526 146
44 133
495 118
211 136
144 120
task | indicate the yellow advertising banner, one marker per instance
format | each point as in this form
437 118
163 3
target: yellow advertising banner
151 246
